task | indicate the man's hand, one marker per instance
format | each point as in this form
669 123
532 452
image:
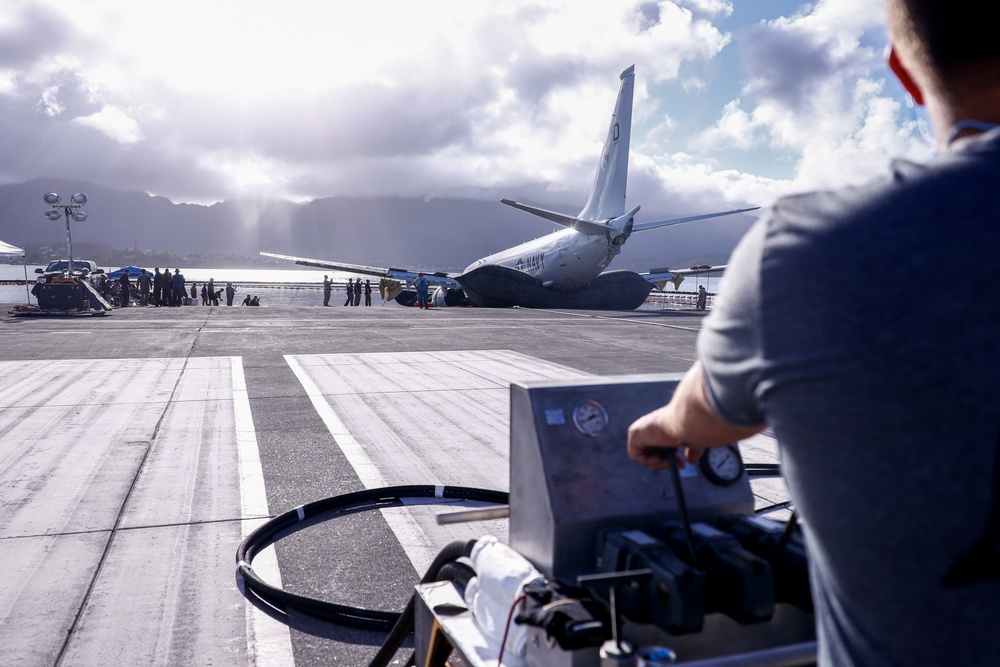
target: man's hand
688 420
650 442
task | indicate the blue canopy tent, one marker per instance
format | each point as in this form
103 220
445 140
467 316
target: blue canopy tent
133 272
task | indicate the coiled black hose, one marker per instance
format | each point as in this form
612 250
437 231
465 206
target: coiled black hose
355 617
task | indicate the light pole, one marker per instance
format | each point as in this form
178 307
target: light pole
72 210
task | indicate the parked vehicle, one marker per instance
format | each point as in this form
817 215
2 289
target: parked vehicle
62 265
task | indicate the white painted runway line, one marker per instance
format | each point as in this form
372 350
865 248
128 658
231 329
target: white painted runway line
123 485
268 640
438 418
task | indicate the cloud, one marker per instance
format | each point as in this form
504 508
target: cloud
28 31
713 8
206 101
48 103
113 122
817 96
735 128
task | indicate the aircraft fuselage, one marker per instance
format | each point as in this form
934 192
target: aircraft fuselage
564 260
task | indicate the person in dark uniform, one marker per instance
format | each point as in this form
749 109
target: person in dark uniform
702 298
157 286
178 285
357 292
421 284
368 292
327 288
125 288
230 293
350 292
143 281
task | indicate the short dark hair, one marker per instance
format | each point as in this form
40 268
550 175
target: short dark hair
950 33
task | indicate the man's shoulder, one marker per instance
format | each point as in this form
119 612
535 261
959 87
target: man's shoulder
907 191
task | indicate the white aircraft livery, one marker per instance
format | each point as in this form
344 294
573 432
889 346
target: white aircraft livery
564 269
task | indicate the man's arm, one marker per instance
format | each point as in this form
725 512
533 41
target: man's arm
687 420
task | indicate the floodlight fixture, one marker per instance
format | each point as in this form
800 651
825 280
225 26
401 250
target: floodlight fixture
72 210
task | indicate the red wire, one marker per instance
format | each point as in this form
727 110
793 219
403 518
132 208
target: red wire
507 627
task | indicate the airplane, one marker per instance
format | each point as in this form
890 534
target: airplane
564 269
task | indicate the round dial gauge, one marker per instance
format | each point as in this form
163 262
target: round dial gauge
722 466
590 418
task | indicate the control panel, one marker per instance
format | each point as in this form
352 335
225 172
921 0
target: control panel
571 477
677 556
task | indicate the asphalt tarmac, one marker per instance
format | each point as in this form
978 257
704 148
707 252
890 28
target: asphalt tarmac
137 449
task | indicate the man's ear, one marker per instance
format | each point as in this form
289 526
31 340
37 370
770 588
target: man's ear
903 74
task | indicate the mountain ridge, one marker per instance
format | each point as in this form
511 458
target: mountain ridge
439 233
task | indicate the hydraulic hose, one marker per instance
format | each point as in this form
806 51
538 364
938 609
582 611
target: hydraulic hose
355 617
763 469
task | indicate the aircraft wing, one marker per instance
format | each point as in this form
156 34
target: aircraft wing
643 226
660 277
439 278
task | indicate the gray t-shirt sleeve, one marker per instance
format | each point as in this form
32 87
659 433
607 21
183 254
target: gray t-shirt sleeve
730 341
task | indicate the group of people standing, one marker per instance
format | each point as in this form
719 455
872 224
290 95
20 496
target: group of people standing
170 289
354 291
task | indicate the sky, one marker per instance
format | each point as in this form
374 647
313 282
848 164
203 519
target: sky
736 103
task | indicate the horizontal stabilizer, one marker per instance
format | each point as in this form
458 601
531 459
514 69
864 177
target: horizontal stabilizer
583 226
677 221
660 277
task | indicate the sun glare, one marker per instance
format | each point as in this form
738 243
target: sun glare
245 49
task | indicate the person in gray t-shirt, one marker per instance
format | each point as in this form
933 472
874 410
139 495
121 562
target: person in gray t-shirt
888 417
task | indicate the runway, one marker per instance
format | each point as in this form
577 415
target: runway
137 450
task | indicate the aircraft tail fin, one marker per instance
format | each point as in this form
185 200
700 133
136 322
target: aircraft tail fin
607 197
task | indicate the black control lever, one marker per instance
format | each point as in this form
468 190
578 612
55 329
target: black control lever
670 453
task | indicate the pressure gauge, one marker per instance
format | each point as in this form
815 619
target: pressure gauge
590 418
722 466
